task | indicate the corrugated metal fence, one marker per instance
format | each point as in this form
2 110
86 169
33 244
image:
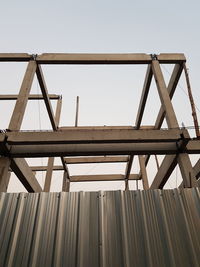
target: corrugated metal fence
133 228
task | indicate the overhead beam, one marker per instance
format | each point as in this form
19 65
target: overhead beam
77 128
44 168
96 136
25 175
55 58
102 177
15 57
30 97
66 150
193 147
21 103
88 160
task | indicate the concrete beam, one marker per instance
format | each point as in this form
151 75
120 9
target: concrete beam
88 160
102 177
96 136
67 150
106 58
77 128
15 57
193 147
25 175
30 97
44 168
20 106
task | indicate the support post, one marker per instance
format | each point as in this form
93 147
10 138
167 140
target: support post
66 183
144 173
48 178
128 171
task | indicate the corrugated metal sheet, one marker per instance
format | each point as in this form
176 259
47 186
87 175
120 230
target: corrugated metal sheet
135 228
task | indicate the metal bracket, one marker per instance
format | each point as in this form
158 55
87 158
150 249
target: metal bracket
34 56
154 57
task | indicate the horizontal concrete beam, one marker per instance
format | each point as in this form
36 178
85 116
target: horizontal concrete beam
66 150
15 57
104 177
106 58
95 136
30 97
193 147
87 160
77 128
63 58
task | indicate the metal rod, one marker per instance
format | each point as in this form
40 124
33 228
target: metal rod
194 114
77 109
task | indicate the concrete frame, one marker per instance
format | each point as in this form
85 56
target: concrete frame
97 144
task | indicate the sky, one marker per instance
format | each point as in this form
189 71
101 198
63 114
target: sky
109 95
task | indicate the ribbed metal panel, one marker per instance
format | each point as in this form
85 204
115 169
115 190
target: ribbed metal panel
133 228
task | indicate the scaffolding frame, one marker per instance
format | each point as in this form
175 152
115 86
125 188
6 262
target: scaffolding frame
108 144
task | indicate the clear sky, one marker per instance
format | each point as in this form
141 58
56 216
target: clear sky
109 95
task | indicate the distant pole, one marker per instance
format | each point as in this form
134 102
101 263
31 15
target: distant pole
194 114
77 109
